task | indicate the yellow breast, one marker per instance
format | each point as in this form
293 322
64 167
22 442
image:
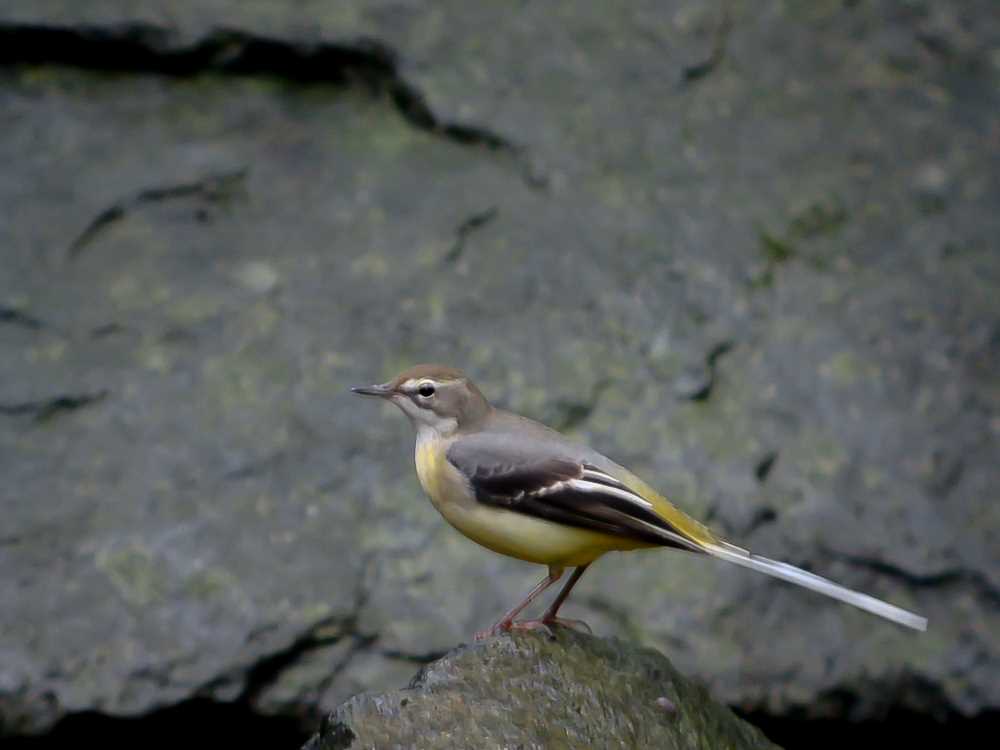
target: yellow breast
430 459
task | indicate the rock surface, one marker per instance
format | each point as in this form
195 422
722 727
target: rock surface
751 254
532 691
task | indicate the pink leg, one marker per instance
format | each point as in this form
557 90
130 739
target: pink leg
550 614
507 621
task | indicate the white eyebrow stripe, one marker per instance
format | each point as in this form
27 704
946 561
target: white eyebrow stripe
410 386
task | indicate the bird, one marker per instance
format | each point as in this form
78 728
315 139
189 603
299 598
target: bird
522 489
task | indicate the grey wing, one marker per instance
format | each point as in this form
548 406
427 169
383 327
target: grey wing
537 479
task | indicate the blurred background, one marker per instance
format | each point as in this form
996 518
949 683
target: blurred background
748 249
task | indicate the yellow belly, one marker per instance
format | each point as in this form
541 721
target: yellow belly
507 532
533 539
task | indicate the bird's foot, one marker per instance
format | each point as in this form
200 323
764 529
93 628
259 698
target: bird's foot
504 626
542 625
545 625
571 624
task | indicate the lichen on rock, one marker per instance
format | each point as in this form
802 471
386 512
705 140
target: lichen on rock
530 690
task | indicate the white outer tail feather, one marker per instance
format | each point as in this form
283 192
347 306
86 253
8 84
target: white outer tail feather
790 573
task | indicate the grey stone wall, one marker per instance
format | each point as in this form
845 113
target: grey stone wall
749 250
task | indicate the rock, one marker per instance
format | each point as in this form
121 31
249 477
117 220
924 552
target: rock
216 217
532 691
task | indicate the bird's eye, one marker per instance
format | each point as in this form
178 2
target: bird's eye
426 390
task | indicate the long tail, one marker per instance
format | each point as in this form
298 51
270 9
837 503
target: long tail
790 573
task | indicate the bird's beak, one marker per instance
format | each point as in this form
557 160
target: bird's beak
385 390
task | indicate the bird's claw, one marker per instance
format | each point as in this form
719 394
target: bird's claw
571 624
544 625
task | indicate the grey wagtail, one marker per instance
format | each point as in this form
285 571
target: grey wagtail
524 490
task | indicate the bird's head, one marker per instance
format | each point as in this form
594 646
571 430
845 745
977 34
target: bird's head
433 396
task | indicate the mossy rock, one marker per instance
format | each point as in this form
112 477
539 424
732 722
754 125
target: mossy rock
531 690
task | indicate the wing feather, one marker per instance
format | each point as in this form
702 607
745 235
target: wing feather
561 489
